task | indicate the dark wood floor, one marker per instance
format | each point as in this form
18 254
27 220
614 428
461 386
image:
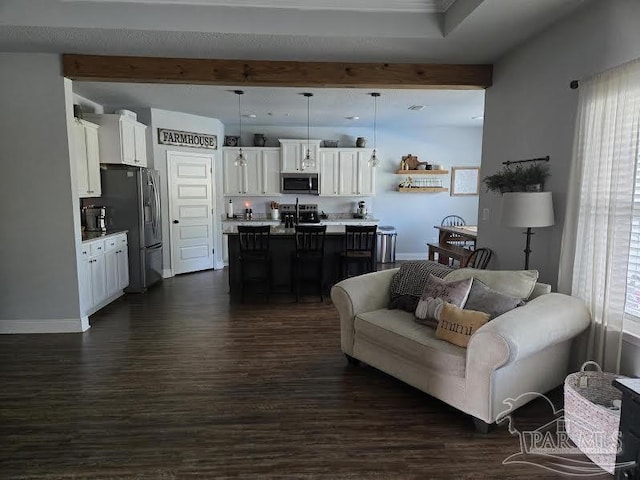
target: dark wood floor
178 383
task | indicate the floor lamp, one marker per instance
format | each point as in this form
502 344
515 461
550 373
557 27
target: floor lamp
528 210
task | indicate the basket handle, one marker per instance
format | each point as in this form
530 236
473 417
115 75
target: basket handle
590 362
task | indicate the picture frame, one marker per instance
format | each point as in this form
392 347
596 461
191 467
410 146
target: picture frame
465 181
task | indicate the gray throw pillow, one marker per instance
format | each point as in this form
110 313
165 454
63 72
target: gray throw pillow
482 298
409 281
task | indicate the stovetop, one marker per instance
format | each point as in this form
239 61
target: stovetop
308 212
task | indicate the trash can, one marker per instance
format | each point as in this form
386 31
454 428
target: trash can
386 244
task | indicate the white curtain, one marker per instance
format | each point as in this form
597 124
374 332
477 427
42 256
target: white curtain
597 230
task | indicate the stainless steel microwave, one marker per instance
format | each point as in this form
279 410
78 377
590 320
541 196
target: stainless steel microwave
300 183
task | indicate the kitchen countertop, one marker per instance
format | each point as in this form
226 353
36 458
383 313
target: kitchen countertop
283 232
88 236
327 221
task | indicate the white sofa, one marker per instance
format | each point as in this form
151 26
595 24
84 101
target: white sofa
524 350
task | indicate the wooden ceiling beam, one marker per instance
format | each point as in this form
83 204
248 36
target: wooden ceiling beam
275 73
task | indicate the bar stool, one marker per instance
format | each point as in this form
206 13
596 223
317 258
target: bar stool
359 249
255 257
309 257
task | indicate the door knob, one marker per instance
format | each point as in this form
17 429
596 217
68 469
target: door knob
176 221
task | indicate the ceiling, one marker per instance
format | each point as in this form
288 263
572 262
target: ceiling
394 31
287 107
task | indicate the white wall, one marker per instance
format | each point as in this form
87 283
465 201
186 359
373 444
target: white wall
530 112
190 123
413 214
38 198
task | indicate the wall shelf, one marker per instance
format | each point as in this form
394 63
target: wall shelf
422 172
422 189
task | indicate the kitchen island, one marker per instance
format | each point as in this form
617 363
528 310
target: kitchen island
283 247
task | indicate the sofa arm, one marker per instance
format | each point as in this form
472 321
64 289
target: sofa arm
544 321
364 293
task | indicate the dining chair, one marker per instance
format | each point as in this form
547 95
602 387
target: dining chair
455 221
479 258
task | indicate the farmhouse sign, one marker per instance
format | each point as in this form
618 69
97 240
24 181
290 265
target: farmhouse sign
187 139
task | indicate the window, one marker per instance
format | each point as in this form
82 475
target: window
632 303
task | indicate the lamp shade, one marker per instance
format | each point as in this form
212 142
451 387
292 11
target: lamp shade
527 209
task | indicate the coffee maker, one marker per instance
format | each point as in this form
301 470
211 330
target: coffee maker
361 212
95 219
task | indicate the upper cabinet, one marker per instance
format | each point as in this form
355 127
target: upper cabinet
122 139
259 177
86 155
346 172
293 151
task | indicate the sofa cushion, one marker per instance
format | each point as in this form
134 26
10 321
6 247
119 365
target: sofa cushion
516 283
408 282
436 293
398 333
483 298
457 325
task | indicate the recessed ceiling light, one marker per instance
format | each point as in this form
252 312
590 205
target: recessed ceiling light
353 117
249 115
478 117
416 108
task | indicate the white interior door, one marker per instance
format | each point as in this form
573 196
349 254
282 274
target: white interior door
191 211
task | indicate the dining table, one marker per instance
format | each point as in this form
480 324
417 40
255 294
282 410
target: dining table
455 243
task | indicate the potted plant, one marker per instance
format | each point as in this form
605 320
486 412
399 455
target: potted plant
503 181
534 176
519 179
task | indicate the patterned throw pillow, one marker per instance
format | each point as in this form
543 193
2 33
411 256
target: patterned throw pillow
408 283
482 298
457 325
436 293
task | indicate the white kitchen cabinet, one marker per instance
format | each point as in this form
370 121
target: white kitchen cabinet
122 139
116 264
86 296
293 151
86 155
260 177
98 272
104 271
346 172
271 171
123 262
366 178
328 174
111 269
140 138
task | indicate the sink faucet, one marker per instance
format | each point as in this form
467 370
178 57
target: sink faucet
297 210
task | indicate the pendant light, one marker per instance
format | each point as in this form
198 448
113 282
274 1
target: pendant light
308 161
240 160
374 161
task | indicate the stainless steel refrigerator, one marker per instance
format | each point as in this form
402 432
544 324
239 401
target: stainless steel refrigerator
131 196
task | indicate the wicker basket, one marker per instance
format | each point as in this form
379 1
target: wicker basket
590 421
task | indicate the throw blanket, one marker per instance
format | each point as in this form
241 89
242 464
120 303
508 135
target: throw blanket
408 283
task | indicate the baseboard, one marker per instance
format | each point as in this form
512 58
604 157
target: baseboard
218 265
54 325
411 256
167 273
